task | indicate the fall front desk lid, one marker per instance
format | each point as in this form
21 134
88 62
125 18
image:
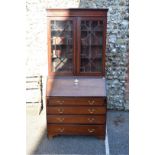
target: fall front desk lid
76 86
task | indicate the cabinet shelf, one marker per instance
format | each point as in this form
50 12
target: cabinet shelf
91 30
84 57
92 45
61 30
63 57
61 45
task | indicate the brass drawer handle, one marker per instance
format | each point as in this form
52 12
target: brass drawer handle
60 119
60 129
60 102
91 110
60 110
91 119
91 102
91 130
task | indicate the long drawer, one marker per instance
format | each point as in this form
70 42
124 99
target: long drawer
59 101
76 110
76 119
76 129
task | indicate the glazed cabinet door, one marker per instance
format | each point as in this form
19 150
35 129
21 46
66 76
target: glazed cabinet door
61 34
91 42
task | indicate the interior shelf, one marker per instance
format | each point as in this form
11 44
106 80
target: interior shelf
93 45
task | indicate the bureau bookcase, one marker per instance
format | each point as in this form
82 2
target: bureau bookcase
76 53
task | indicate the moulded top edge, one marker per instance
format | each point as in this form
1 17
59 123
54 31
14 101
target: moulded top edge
76 12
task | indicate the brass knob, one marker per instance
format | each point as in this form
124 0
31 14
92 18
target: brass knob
91 119
60 129
91 130
91 102
60 119
60 102
91 110
60 110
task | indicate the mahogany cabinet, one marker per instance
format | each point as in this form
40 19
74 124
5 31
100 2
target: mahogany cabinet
76 50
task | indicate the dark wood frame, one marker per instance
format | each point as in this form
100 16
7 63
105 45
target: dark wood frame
79 47
50 49
75 15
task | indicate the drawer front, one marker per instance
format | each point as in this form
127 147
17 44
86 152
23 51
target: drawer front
76 110
61 101
76 101
82 119
91 101
76 129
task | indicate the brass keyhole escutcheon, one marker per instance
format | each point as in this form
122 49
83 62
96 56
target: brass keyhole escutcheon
60 110
60 102
91 119
91 130
61 129
91 102
60 119
91 110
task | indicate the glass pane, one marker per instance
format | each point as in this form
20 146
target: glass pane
91 45
62 45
